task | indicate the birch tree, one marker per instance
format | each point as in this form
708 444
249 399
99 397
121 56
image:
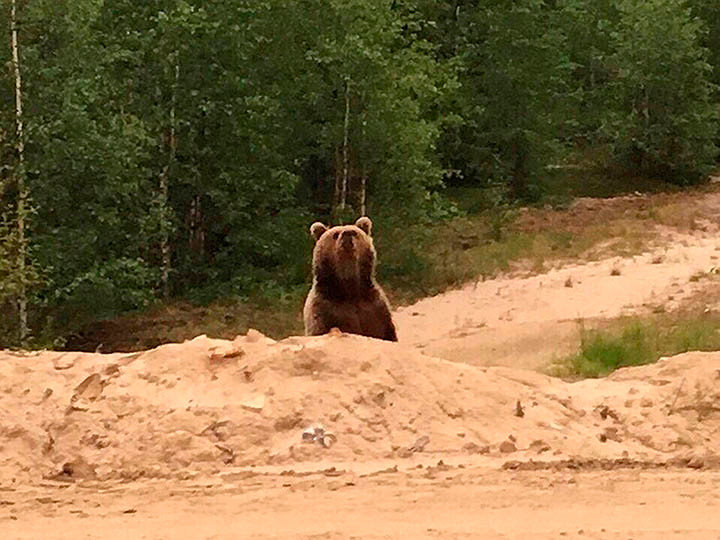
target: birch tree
19 174
165 210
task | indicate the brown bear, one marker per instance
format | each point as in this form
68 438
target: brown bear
344 292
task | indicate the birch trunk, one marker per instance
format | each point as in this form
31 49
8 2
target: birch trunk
363 192
363 176
196 240
165 189
346 149
20 177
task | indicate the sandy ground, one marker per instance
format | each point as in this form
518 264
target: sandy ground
205 440
526 322
451 433
456 503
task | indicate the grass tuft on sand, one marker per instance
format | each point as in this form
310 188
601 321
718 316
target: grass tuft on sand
638 341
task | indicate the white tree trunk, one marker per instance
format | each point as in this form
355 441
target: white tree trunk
363 177
196 240
363 192
20 177
165 189
338 182
346 147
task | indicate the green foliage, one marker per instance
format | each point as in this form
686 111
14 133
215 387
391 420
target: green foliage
373 51
501 214
602 353
640 342
663 118
106 290
256 91
709 14
13 281
9 278
239 109
587 26
514 71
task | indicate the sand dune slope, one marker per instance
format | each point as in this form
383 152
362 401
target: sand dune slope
206 404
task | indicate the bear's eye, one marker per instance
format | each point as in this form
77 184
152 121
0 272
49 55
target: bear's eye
335 235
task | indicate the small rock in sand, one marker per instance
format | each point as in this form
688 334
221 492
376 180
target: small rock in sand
229 350
253 336
507 447
420 444
254 403
64 361
474 448
539 446
89 389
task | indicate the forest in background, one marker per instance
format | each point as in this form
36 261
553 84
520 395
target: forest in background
180 149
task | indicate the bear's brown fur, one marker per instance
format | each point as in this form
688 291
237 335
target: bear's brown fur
344 292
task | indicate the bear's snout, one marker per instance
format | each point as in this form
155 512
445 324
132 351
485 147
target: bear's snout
347 237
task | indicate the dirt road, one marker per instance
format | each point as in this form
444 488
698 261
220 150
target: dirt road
449 503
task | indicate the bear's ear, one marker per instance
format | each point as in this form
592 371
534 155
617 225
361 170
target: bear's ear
317 229
364 224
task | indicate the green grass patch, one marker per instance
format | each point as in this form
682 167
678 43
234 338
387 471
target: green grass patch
636 342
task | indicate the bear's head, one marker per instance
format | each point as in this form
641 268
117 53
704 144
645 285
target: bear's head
344 252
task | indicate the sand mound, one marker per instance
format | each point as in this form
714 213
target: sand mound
207 404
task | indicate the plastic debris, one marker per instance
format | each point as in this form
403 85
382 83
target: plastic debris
317 434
